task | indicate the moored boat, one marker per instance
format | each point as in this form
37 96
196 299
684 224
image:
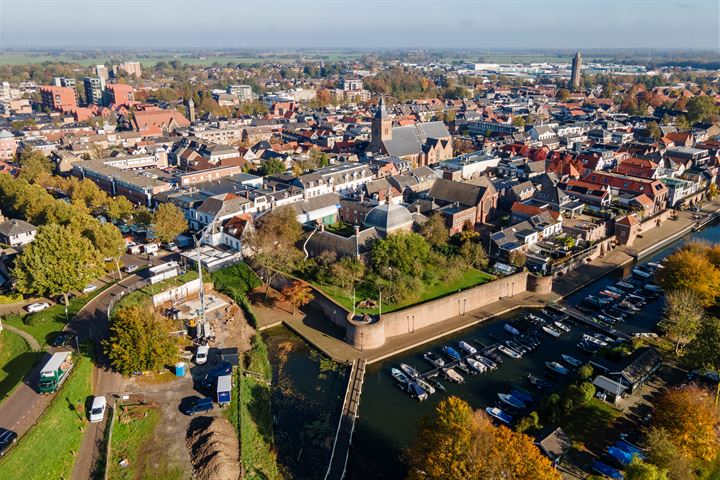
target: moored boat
522 394
625 285
538 382
512 401
571 360
641 272
592 339
409 370
451 352
512 330
436 383
467 347
498 414
509 352
452 375
487 362
562 326
464 368
476 365
557 368
434 358
550 331
399 376
425 385
516 346
588 347
417 391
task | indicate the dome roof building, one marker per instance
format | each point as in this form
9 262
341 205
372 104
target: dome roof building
389 218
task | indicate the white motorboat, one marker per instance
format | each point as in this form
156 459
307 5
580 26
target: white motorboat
467 347
596 341
452 375
509 352
476 365
425 385
557 368
562 326
550 331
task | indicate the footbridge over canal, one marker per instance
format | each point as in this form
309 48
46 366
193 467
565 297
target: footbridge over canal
346 424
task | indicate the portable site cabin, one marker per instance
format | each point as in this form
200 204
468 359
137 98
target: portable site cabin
224 387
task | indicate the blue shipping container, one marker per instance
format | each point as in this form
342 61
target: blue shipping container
224 386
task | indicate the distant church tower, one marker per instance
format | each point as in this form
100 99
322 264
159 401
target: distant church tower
191 110
381 127
576 71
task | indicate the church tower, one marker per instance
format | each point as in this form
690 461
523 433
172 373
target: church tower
576 71
381 126
191 110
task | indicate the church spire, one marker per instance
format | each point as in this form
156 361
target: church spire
381 112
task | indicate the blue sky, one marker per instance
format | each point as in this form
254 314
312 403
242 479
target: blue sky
361 23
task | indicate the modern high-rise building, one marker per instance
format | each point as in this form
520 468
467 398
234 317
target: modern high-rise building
94 87
65 82
102 72
576 71
131 68
243 92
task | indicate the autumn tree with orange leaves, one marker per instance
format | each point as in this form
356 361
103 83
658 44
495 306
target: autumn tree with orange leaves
457 443
298 294
690 417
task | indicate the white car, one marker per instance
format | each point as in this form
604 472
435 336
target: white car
37 307
97 411
131 268
201 355
90 288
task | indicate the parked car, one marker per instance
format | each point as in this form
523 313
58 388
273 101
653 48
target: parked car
97 411
198 405
37 307
131 268
201 355
90 288
62 338
170 247
225 368
7 439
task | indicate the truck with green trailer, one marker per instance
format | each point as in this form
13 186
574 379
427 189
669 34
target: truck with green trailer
55 372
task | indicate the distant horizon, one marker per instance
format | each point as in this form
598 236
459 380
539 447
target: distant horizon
370 24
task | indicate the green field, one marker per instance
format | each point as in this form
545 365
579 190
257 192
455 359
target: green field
16 360
48 450
44 325
469 278
149 60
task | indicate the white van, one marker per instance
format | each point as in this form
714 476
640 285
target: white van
201 355
150 248
97 411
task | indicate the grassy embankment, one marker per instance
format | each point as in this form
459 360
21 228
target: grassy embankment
252 419
16 360
48 450
44 325
469 278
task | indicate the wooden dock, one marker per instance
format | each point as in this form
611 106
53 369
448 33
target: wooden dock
346 424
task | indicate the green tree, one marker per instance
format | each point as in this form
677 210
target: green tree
107 238
703 351
140 341
683 316
563 95
273 166
87 194
33 164
169 222
701 108
530 422
435 231
639 470
518 121
581 394
119 208
59 261
347 272
142 217
662 451
585 372
517 258
400 253
654 130
474 254
273 243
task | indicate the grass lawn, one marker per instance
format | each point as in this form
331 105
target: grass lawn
591 421
44 325
48 449
16 360
144 295
132 439
236 280
470 278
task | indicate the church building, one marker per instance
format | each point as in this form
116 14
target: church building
421 144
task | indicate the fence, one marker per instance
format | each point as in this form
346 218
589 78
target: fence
108 442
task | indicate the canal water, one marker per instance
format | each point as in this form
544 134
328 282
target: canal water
306 399
388 418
